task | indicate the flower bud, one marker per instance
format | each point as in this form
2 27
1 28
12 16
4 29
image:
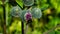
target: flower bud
16 11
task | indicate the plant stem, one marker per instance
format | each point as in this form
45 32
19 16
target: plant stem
22 27
4 16
51 29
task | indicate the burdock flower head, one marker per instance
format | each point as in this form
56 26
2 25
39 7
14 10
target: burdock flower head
36 13
28 15
16 11
28 2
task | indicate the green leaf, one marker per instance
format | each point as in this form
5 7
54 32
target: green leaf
57 32
20 3
44 6
52 32
1 9
56 5
37 1
1 3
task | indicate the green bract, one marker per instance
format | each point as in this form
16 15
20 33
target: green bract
22 14
36 13
16 11
28 2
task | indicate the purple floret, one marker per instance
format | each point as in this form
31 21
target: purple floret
28 16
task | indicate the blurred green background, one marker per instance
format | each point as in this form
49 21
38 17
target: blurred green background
50 18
